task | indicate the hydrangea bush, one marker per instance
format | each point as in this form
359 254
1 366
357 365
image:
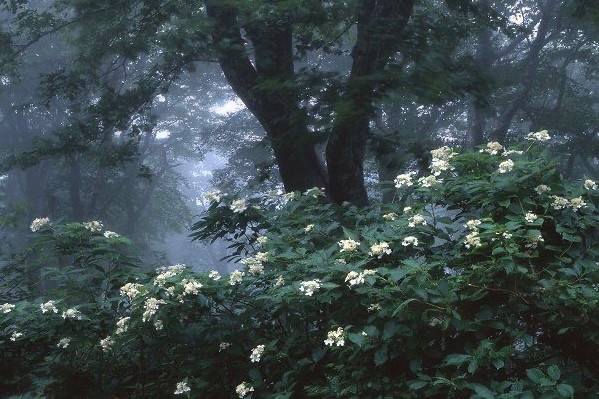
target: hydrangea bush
479 281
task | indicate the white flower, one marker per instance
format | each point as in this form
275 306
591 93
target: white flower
238 206
354 278
6 308
404 180
243 390
223 345
280 281
314 192
335 337
182 387
390 216
256 353
541 136
530 217
122 325
48 307
559 202
158 325
151 306
213 196
131 290
429 181
577 203
473 224
348 245
472 240
15 335
416 220
493 148
71 314
214 275
236 277
39 223
191 287
506 166
410 240
374 307
106 343
308 228
93 226
308 287
380 249
542 188
590 184
63 343
111 234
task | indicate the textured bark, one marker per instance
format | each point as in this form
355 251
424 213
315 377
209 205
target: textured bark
380 24
277 110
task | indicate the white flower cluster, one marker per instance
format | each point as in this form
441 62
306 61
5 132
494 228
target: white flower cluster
131 290
348 245
181 388
562 203
416 220
6 308
106 343
542 188
236 277
238 206
440 161
429 181
506 166
93 226
530 217
492 148
15 335
472 238
404 180
541 136
214 275
308 287
410 240
257 353
111 234
48 307
63 343
39 223
72 314
167 272
590 184
390 216
335 337
380 249
355 278
243 390
151 306
213 196
122 325
255 263
191 287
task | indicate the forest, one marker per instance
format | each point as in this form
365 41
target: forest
299 199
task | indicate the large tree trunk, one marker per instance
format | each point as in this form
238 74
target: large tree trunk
266 89
262 91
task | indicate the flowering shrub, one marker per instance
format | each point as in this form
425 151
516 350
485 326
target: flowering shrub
482 285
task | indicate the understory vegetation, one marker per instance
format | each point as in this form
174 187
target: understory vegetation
478 280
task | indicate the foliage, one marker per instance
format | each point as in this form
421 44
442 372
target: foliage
481 285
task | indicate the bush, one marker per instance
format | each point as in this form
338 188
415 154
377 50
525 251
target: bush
479 281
